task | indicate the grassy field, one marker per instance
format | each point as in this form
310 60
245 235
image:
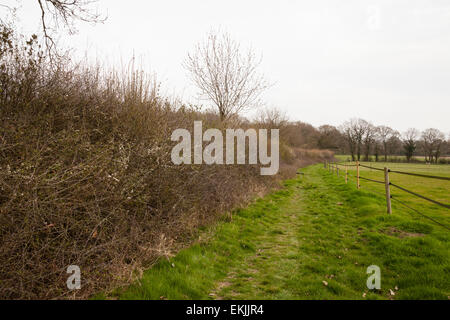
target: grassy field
314 239
438 190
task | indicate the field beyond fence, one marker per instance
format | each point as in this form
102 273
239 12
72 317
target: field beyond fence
422 189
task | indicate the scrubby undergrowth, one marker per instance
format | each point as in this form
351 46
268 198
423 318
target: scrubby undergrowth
86 176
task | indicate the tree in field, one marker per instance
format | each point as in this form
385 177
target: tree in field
377 146
446 147
359 127
385 134
226 75
432 140
354 131
369 139
349 137
395 144
410 142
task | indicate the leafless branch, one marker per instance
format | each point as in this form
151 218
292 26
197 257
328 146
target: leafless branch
225 75
65 12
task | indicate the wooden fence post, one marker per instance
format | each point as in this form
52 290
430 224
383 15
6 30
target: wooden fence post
325 164
337 171
357 175
346 175
388 190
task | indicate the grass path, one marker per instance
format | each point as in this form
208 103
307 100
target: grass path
267 272
314 239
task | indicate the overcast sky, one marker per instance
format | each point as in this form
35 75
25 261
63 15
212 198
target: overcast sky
387 61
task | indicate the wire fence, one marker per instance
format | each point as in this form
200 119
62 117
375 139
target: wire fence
367 179
419 213
337 167
421 196
421 175
372 168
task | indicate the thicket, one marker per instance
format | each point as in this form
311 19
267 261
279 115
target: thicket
86 176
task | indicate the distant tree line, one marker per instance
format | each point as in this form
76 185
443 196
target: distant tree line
362 140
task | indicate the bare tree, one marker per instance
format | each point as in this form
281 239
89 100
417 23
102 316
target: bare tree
359 127
272 118
410 142
369 139
328 137
349 136
385 133
300 134
432 140
377 148
354 131
226 75
394 144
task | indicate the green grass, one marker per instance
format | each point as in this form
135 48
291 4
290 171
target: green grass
434 189
315 229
